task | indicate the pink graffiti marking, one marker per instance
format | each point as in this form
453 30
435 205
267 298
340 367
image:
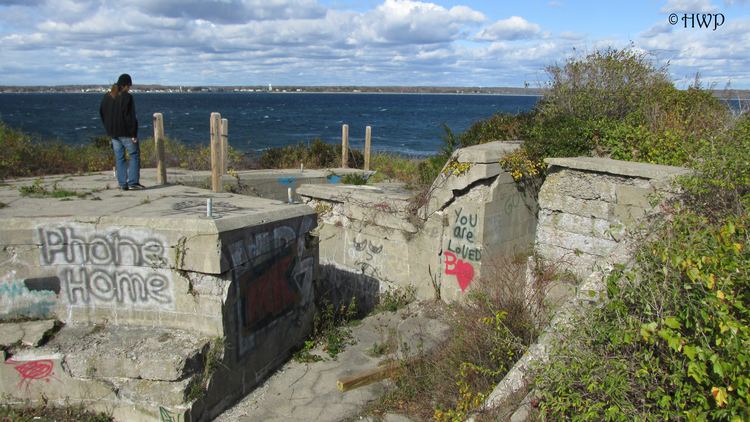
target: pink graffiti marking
463 271
33 371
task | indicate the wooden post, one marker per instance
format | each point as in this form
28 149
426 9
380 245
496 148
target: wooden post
368 145
345 146
224 145
161 168
216 152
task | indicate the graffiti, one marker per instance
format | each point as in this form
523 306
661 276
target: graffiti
267 295
198 207
99 286
463 271
166 416
333 179
511 203
368 248
31 298
464 236
274 267
35 370
110 267
72 246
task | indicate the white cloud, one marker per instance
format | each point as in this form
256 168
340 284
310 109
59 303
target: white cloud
414 22
689 6
513 28
304 42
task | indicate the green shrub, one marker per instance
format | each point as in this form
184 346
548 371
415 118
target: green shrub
498 127
672 342
316 154
616 103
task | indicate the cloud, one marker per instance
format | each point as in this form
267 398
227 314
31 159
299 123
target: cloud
414 22
231 11
307 42
688 6
513 28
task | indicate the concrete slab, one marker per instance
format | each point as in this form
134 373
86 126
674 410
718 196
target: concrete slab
28 333
152 353
490 152
618 167
308 391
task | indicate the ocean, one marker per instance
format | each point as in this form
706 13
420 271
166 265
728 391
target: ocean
410 124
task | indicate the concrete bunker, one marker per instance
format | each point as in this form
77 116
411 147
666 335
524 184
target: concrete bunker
150 310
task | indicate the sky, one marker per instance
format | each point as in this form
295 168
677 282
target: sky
362 42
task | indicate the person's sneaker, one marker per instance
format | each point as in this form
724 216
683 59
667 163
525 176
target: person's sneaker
137 186
124 188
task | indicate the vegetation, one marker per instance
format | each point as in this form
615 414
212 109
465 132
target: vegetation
487 334
38 190
48 412
672 341
331 330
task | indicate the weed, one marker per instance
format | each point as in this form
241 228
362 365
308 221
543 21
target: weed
330 329
304 355
38 190
146 200
71 413
488 332
211 361
394 299
354 179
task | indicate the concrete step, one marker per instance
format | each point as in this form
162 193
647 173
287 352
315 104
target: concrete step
149 353
133 373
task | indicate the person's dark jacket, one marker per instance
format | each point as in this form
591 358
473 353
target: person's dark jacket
118 115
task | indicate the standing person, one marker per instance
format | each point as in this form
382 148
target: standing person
117 111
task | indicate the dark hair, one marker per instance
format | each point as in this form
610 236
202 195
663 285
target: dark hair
123 81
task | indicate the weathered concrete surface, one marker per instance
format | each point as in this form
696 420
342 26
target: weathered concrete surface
308 391
269 183
27 333
588 205
141 266
468 220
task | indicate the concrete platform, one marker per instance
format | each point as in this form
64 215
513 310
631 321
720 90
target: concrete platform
147 280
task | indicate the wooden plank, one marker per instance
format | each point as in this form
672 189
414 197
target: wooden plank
366 377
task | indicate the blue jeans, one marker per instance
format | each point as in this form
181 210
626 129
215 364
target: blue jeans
128 171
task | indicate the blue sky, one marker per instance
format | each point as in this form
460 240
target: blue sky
358 42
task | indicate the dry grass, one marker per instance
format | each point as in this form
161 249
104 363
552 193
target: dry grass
489 331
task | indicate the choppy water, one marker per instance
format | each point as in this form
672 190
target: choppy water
406 123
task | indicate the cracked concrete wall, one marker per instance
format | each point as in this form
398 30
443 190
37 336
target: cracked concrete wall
588 205
469 221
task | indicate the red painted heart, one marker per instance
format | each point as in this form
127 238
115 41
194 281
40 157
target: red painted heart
463 271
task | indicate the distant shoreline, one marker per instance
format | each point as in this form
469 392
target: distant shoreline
278 89
732 94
